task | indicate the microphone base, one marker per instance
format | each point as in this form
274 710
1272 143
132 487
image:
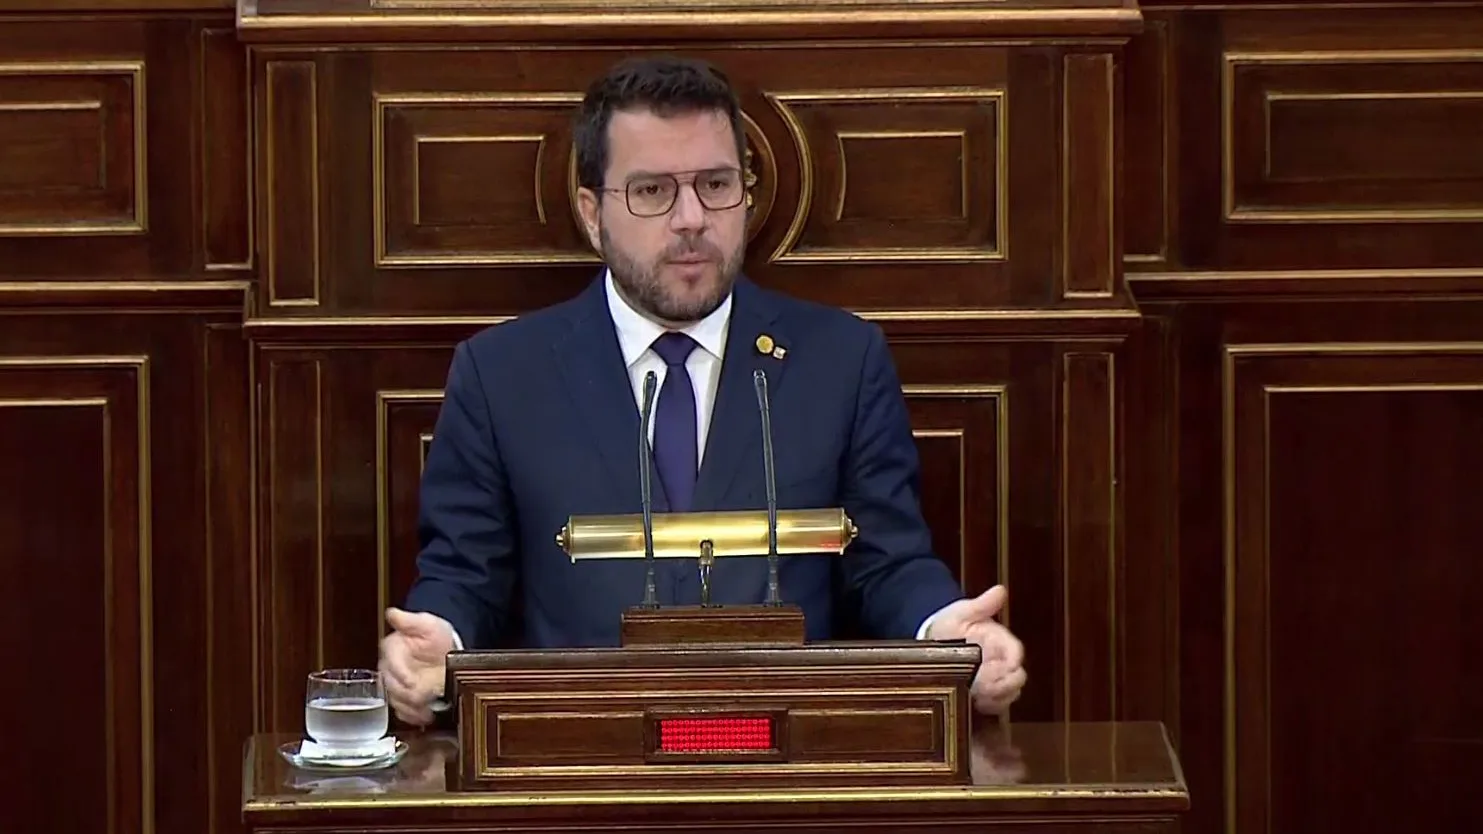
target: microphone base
700 625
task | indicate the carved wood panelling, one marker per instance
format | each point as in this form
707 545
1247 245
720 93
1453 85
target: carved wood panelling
226 162
292 195
906 175
962 435
103 121
1343 142
1091 248
1345 470
1089 532
1149 144
75 141
1353 136
867 180
82 515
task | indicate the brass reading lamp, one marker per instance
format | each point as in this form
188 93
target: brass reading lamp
707 536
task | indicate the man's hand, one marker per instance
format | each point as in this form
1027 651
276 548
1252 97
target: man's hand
1001 677
414 662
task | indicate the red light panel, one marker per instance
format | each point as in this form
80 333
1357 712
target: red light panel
714 735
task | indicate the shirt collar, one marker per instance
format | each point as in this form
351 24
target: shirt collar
636 333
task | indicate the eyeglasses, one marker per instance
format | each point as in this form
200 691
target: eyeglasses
652 195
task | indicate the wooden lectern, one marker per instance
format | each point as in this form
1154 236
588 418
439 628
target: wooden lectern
713 696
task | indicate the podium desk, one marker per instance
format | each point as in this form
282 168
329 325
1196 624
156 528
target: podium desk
1045 778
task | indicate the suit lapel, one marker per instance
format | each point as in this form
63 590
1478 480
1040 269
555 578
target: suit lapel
734 440
597 380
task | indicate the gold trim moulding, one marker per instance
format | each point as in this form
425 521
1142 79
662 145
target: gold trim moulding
473 19
731 533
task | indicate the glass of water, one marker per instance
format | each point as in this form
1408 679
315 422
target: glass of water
345 707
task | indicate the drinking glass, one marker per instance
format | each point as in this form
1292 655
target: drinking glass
345 708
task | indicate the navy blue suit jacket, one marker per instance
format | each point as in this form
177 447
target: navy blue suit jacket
539 423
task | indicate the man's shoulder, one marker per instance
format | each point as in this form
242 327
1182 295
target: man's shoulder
523 332
837 329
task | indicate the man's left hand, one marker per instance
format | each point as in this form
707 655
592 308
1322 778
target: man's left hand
1001 674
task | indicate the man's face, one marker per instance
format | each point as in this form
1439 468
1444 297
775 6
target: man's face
680 265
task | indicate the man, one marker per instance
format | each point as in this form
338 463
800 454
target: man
541 416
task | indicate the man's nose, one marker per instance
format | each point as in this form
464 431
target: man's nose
688 213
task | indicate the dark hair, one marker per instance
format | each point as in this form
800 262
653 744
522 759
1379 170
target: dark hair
666 86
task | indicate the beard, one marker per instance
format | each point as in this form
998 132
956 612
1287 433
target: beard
644 287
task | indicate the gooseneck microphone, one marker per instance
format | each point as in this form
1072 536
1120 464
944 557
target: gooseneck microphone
769 474
646 488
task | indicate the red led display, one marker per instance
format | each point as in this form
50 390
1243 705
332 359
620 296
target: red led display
714 735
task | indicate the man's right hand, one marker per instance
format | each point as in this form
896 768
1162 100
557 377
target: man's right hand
414 660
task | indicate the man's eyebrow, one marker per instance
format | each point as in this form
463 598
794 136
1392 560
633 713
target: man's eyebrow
632 175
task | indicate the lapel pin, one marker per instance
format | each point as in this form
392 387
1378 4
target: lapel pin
765 345
778 353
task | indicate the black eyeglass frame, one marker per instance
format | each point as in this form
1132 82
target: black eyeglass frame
694 176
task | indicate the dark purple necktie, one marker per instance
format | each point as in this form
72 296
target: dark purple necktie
675 446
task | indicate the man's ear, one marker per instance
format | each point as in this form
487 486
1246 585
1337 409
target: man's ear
588 207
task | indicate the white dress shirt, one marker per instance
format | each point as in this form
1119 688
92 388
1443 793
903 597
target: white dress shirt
636 335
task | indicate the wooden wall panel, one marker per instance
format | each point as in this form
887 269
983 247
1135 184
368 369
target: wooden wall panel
869 178
1292 448
1318 456
1341 142
100 123
78 526
124 605
1347 592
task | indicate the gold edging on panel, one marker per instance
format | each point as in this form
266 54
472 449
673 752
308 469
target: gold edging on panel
270 144
1234 214
383 259
420 140
319 511
956 434
451 8
121 286
785 251
1112 526
960 135
1130 792
1167 123
209 568
384 400
1063 18
484 703
648 676
254 534
1105 59
135 73
1217 276
999 394
139 365
269 544
271 521
1002 314
1231 354
249 191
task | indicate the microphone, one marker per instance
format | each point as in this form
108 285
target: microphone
646 488
769 475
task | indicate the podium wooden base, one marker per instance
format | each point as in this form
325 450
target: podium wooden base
714 698
687 625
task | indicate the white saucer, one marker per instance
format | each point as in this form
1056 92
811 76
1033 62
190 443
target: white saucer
290 753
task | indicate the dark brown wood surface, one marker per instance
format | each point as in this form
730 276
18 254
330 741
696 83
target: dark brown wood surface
1189 329
1032 777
